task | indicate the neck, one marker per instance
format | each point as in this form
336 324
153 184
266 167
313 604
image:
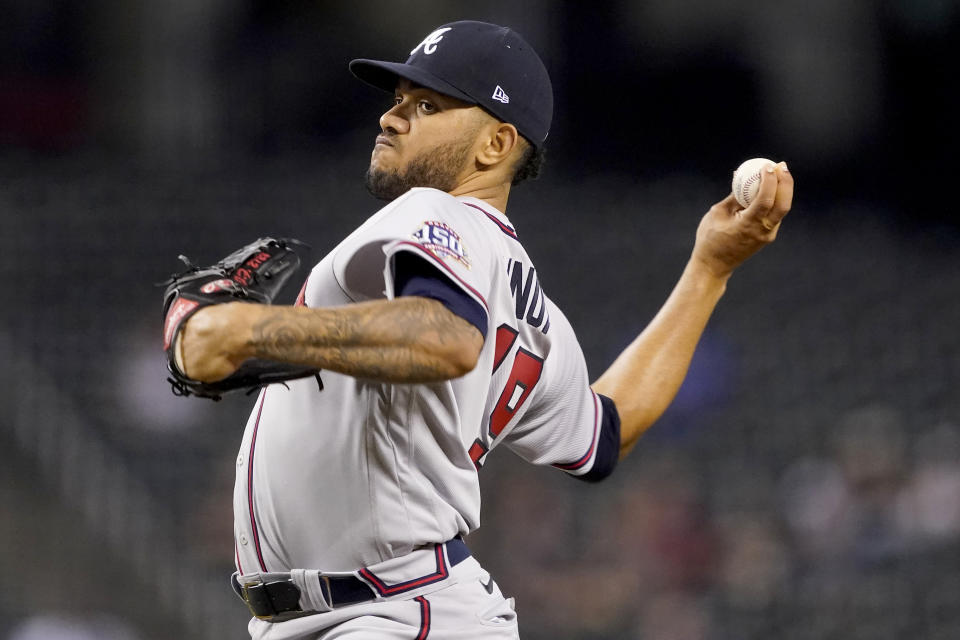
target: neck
495 195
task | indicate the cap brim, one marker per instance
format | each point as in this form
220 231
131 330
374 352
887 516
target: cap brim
383 75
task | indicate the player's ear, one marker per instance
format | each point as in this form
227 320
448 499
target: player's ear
498 143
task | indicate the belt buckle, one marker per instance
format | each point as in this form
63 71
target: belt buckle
245 592
255 593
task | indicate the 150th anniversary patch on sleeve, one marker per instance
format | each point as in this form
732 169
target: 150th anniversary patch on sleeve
438 238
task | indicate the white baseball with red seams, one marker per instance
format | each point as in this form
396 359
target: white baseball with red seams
746 180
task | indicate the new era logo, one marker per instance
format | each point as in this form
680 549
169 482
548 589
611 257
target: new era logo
499 94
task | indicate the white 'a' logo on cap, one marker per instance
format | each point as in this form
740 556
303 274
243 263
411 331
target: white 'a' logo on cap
501 95
429 43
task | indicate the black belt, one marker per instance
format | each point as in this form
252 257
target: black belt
277 598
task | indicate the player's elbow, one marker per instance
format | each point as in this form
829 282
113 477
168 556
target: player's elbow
452 361
465 353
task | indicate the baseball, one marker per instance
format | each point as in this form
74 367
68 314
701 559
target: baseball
746 180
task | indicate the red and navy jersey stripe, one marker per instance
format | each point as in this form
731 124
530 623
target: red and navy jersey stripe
424 617
253 518
507 229
585 458
402 587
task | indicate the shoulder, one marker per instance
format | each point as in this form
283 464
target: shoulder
440 203
425 205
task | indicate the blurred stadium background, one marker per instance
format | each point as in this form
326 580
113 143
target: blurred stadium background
806 483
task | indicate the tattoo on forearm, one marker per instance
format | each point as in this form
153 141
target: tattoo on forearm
397 341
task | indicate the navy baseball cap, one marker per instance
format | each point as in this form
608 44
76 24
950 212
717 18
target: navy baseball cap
480 63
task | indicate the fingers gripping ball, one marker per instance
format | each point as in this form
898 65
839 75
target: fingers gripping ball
746 180
253 273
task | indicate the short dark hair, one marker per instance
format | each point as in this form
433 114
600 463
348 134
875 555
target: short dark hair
529 164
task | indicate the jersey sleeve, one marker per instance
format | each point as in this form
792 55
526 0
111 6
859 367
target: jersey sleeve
427 224
569 426
414 276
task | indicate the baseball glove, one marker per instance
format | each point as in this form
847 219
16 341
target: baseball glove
254 273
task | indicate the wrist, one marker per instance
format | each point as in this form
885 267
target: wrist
707 277
240 319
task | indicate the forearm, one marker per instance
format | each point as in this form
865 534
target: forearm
644 379
407 340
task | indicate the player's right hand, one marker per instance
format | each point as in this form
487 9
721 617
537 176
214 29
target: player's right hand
728 234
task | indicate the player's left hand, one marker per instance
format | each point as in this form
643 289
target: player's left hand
728 234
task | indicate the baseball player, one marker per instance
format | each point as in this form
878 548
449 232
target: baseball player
437 343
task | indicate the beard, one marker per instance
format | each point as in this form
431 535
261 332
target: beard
436 168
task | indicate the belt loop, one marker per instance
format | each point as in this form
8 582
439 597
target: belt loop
315 592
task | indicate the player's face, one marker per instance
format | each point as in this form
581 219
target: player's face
427 140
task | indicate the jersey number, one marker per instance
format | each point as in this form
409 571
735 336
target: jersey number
524 375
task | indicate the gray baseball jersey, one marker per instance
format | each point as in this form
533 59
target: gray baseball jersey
363 471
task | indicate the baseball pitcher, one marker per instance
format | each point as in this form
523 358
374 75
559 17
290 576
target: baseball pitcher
419 344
